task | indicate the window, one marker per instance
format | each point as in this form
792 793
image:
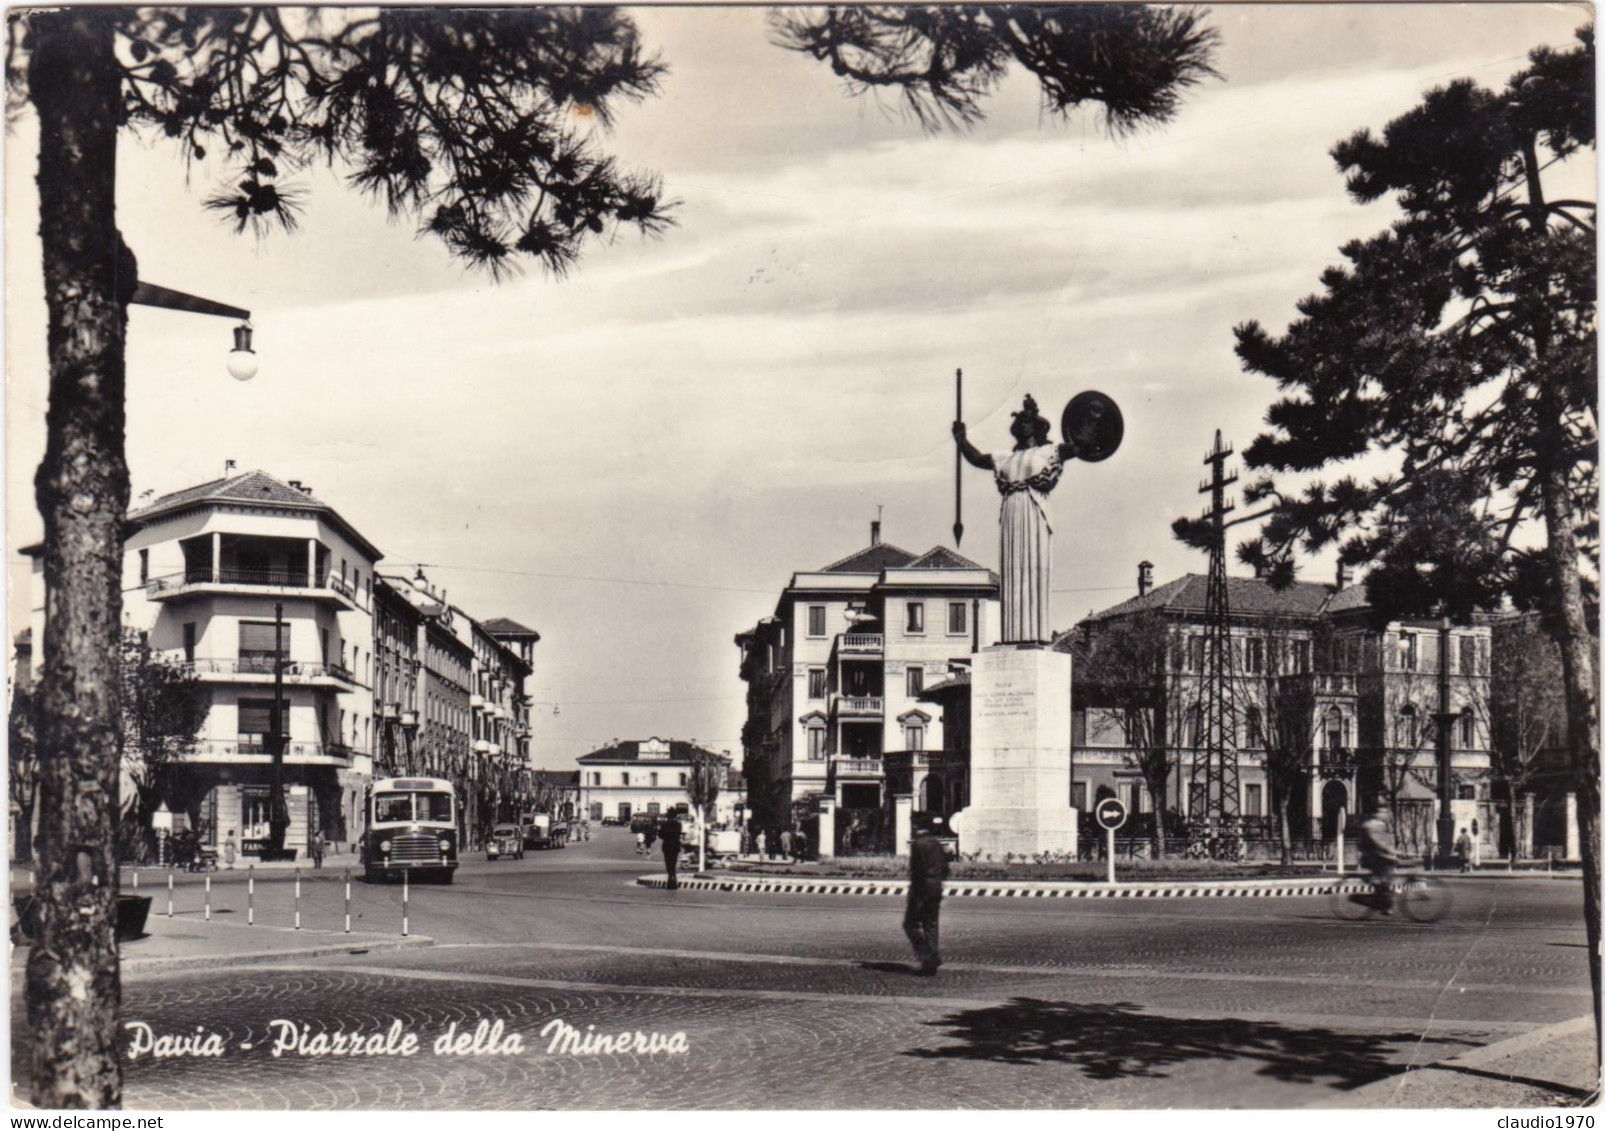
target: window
652 779
596 811
652 808
1407 651
144 566
624 778
1256 732
916 617
1195 725
816 620
189 642
1404 727
596 779
1468 729
682 780
1253 800
916 681
1195 653
1254 654
816 744
257 645
1133 797
816 683
1078 795
256 721
958 618
915 736
1301 656
624 811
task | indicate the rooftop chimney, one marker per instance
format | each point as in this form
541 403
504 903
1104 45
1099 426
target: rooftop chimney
296 483
875 532
1342 577
1145 578
304 488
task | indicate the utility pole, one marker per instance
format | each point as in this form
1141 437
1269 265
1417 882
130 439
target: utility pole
278 812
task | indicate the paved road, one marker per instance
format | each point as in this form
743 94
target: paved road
797 1001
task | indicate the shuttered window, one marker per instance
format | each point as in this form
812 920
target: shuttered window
256 636
256 716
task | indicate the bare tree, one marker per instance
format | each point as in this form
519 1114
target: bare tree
1285 693
1526 711
1403 722
1124 666
703 783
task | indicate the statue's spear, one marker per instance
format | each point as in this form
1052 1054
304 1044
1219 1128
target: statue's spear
958 468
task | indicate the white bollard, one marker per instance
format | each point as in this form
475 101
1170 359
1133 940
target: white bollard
169 895
404 890
250 895
208 898
136 879
348 901
1342 819
298 899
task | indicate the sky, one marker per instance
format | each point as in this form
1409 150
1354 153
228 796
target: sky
635 459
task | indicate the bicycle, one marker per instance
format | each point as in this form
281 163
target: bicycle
1418 897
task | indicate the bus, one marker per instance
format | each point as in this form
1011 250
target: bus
412 828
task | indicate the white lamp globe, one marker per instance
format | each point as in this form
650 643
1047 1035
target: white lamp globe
242 359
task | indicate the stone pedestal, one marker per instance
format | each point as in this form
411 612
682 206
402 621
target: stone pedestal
1019 753
903 824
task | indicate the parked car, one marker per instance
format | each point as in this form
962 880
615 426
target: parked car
505 840
606 821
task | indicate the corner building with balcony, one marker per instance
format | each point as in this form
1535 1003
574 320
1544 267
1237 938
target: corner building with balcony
229 577
835 680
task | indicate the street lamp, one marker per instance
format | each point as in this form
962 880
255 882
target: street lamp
242 358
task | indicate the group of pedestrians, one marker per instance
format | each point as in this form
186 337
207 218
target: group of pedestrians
775 844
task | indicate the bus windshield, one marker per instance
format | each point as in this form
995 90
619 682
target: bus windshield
403 808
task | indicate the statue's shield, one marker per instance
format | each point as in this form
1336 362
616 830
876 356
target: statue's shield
1092 422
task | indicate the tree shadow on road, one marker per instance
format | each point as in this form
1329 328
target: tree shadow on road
1119 1040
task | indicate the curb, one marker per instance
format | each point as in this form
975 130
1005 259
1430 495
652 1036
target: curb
1479 1060
1229 889
212 961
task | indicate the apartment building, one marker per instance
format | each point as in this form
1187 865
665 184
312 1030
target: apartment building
231 577
645 777
835 676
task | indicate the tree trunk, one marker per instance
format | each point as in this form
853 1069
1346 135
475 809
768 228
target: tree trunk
1582 708
1287 833
1515 825
82 492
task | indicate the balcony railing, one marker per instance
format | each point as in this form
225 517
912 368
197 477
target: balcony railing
848 765
257 747
261 664
265 578
859 705
863 642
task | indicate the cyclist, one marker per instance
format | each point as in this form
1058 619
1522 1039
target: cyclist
1378 857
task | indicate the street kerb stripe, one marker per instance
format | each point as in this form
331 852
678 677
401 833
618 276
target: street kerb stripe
1231 890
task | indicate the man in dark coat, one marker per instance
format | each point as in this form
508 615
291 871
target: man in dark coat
670 833
927 868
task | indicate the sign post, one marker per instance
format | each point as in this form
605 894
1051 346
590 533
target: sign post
1111 814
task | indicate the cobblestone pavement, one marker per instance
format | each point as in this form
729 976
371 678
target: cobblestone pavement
796 1001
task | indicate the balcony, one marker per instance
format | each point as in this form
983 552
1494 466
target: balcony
857 706
861 645
202 580
843 768
258 668
256 749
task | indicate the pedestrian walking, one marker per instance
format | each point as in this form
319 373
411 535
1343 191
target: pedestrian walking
229 851
785 844
799 846
927 868
1463 848
317 849
640 843
763 844
671 833
651 838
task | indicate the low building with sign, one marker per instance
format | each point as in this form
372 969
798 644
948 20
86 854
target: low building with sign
650 776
